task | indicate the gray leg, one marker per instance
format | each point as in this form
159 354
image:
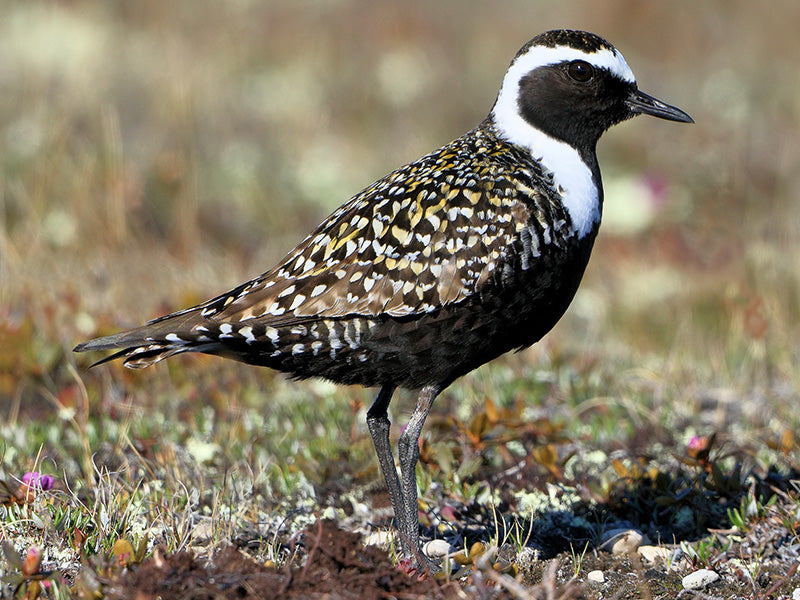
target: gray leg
408 451
378 424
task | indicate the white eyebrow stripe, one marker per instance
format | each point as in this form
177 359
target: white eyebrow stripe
541 56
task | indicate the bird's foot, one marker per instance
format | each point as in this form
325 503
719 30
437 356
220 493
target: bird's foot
420 566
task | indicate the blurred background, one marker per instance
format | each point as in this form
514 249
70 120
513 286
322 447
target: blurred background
153 154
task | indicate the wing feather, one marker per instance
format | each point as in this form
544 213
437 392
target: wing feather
363 258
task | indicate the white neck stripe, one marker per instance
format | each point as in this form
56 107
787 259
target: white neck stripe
571 175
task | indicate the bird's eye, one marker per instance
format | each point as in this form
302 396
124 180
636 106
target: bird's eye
580 70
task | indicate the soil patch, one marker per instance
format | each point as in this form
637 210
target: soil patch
337 565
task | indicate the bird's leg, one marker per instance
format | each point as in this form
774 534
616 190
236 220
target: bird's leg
379 425
408 451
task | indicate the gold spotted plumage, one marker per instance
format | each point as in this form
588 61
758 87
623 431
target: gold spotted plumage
423 237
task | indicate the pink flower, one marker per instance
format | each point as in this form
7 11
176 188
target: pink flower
34 479
698 443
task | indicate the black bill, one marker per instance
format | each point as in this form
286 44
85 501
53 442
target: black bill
641 103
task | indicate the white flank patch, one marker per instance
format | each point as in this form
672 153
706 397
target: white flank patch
348 338
570 173
333 340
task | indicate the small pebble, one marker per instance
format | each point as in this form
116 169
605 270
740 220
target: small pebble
796 594
699 579
654 553
621 541
436 549
596 576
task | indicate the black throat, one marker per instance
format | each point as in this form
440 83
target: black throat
577 114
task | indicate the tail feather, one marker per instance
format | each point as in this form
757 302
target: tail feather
151 343
124 339
191 331
139 357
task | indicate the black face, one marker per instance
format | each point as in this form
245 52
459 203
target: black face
574 101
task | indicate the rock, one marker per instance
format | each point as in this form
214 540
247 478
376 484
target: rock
436 549
796 594
655 553
596 576
699 579
621 541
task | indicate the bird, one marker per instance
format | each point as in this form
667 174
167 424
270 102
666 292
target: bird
444 264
